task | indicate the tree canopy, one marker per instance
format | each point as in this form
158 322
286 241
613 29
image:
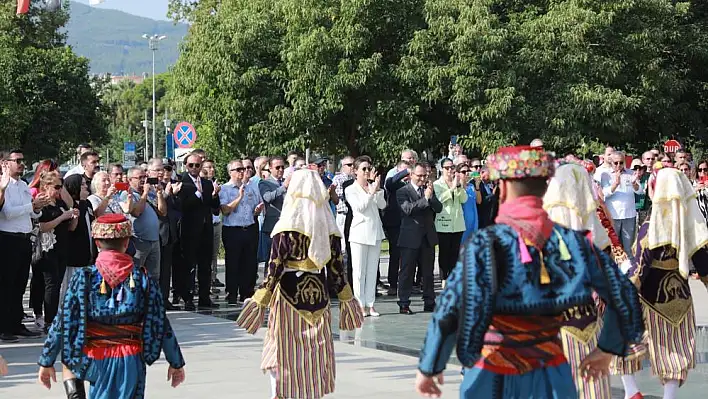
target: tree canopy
377 76
48 102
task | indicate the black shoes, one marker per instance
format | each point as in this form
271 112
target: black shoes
217 283
429 308
405 310
189 306
24 332
208 305
9 338
169 306
75 389
392 292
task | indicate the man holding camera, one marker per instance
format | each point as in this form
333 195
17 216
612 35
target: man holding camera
146 202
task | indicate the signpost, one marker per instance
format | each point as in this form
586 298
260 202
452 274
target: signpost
129 156
185 135
671 146
170 147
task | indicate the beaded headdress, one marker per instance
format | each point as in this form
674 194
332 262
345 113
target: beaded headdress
111 226
520 162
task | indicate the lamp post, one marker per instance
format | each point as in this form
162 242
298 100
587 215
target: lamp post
152 41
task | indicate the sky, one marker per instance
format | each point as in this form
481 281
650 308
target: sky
153 9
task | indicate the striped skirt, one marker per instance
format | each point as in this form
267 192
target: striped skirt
671 347
300 355
575 350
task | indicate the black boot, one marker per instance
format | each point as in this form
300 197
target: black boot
75 389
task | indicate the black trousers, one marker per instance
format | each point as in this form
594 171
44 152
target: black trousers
52 272
424 257
241 251
394 252
36 299
16 250
167 259
197 251
448 251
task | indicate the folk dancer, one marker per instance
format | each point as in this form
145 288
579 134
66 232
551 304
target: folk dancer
503 303
298 351
570 202
674 237
111 324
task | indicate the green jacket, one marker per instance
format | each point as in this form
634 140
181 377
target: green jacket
451 219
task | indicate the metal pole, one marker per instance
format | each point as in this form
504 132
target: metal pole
154 136
147 140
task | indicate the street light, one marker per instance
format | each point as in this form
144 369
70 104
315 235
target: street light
152 41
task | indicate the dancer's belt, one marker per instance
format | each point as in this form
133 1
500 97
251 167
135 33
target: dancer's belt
109 341
519 344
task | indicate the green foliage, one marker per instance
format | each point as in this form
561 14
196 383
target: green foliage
377 76
128 104
48 103
112 40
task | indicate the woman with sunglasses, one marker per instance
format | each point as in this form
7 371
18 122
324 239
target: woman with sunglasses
55 222
450 222
47 165
366 198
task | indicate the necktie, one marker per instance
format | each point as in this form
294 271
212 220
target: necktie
421 192
199 184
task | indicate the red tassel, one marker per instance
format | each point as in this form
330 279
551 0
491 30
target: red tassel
23 6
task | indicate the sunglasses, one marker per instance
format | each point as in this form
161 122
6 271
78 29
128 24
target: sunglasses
348 164
703 170
367 169
239 170
281 167
475 166
618 163
194 165
464 171
249 167
639 168
449 167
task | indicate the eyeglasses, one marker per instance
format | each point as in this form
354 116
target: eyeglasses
279 167
464 171
249 167
194 165
703 170
639 167
239 170
448 167
685 170
19 161
475 166
348 164
618 163
366 169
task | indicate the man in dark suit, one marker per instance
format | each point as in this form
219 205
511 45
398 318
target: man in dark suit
199 198
273 191
391 221
488 209
417 238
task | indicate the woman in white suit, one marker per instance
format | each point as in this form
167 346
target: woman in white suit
366 198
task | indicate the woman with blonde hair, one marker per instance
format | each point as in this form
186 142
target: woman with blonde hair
102 200
298 352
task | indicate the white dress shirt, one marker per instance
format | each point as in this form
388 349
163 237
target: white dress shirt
620 202
17 209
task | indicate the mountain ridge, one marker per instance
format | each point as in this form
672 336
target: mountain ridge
112 40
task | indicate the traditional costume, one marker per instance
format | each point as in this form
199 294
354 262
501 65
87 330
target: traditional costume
112 323
570 202
504 303
674 237
298 350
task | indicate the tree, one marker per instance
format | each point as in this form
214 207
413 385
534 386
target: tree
48 102
571 72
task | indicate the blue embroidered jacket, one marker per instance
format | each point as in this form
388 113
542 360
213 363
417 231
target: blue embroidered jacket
491 279
83 302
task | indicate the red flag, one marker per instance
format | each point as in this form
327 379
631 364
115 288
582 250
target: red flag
23 6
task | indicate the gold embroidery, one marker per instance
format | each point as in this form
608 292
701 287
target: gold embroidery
262 297
345 294
306 265
585 334
668 264
309 291
673 311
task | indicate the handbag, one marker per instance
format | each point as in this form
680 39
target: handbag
36 240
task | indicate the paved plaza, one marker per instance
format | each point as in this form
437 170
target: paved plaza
377 361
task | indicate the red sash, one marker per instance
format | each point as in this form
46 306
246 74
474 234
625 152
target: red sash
106 341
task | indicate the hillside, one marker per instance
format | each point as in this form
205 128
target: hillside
113 41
